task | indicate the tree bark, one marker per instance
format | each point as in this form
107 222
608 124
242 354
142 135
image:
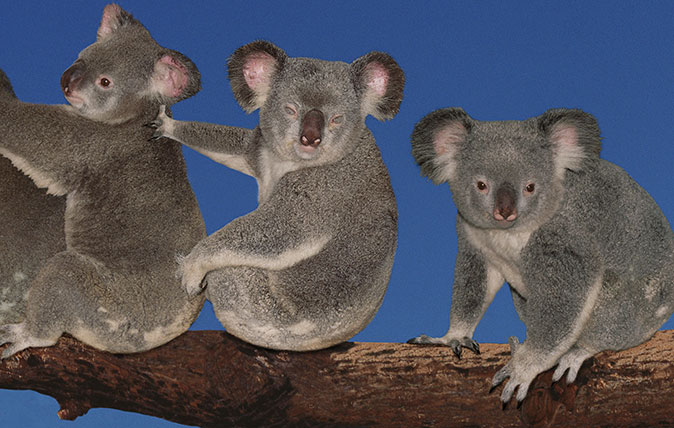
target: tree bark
209 378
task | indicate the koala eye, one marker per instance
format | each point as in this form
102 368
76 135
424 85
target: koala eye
482 187
290 110
529 189
105 82
337 119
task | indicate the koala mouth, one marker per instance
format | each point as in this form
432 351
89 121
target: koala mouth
75 101
505 224
306 152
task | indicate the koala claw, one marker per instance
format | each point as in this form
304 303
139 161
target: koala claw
455 344
520 378
158 124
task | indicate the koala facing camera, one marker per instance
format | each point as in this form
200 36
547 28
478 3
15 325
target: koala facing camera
309 267
588 255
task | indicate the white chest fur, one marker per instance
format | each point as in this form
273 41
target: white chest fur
501 249
271 172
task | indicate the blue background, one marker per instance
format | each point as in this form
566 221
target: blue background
498 60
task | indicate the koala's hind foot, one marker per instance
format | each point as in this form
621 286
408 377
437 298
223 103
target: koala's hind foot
571 361
455 343
19 339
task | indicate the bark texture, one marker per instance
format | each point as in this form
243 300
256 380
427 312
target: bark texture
209 378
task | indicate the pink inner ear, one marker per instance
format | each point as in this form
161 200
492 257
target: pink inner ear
446 138
110 20
256 70
377 78
565 135
172 76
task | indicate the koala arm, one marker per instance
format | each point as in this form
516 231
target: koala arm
273 237
50 143
563 276
227 145
475 285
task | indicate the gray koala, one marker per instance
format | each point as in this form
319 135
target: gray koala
129 207
588 255
309 267
31 231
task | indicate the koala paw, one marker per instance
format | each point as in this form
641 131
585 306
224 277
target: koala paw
192 276
572 361
454 344
162 125
18 338
520 369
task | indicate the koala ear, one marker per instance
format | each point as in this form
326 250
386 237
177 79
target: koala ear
114 18
379 81
251 72
175 77
436 141
574 136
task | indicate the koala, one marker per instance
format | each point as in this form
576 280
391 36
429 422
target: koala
309 267
586 252
130 210
31 230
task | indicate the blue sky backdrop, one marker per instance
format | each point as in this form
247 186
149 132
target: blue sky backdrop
498 60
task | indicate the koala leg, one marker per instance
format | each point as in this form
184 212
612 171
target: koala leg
564 279
474 282
65 290
253 305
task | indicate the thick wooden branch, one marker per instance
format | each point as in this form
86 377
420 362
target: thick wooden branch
209 378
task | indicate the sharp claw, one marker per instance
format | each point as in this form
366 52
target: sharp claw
456 347
504 405
475 347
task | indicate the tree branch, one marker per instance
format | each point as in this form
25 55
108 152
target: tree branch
209 378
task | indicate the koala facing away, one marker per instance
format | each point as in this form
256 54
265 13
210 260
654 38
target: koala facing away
309 267
588 255
31 231
130 209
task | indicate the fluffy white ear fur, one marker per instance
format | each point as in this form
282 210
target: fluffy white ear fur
446 143
568 153
258 69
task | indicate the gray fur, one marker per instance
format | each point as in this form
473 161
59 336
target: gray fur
309 267
589 257
130 211
31 231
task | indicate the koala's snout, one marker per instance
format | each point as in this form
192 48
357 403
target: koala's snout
312 128
505 207
71 78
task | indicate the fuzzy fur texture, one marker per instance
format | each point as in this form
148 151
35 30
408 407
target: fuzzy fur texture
589 256
309 267
130 210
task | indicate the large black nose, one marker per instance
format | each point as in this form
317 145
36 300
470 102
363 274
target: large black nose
312 128
71 78
506 203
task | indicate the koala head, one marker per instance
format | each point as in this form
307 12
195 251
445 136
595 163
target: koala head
505 174
312 110
114 79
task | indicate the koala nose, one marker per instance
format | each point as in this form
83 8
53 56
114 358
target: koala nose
71 78
312 128
506 203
